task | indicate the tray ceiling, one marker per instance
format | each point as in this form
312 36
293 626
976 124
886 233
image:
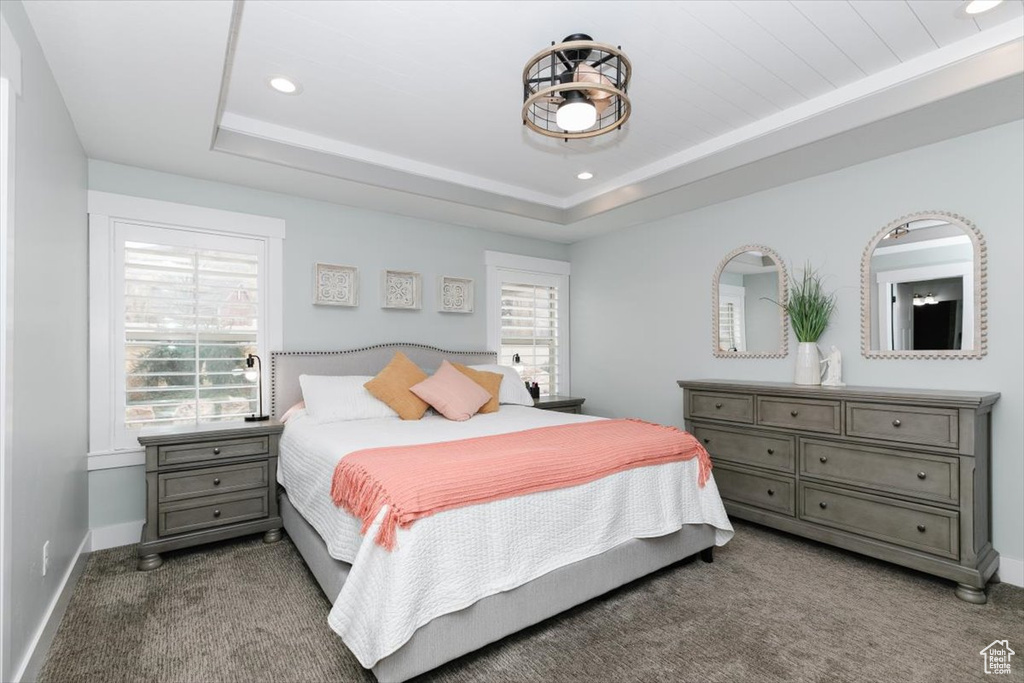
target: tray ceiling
414 106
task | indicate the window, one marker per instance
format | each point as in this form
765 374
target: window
731 335
190 318
528 316
179 297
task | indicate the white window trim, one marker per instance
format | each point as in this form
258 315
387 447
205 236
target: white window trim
105 210
10 90
498 262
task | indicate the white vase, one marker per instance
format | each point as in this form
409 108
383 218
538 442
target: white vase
808 364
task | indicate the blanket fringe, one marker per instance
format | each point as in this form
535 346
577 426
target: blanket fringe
353 489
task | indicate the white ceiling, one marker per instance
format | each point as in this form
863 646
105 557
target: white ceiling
413 107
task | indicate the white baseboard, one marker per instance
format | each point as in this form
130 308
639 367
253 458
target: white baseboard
39 646
1011 571
116 535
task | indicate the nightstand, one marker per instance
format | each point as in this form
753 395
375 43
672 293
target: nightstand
208 483
560 404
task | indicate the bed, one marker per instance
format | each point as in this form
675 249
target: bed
467 577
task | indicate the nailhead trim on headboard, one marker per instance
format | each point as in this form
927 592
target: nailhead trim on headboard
275 354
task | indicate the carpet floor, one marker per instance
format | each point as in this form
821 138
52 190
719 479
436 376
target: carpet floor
772 607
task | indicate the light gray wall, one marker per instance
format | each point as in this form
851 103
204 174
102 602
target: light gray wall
762 317
320 231
657 279
50 400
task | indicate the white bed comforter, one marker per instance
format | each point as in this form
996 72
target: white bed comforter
448 561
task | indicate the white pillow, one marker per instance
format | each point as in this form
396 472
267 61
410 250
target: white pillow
513 390
331 398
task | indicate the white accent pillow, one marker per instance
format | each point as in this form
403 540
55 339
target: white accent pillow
513 390
333 398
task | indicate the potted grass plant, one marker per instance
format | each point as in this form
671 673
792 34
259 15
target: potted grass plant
810 308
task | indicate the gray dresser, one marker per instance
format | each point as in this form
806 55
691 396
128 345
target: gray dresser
208 483
897 474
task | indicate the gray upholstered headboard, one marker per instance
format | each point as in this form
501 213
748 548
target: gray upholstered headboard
286 366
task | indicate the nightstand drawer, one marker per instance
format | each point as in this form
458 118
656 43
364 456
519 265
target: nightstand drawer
211 480
915 474
760 490
909 525
730 407
212 511
186 453
763 450
807 414
908 424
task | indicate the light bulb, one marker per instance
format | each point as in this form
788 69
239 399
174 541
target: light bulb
251 374
576 113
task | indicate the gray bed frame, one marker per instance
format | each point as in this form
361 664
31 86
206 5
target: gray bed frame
452 635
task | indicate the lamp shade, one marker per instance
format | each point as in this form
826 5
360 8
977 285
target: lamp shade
576 113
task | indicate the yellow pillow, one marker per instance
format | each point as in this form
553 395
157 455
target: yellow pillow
491 381
391 385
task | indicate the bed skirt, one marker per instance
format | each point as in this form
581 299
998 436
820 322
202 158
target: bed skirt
452 635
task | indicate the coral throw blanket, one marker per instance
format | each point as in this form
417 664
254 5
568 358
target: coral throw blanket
418 481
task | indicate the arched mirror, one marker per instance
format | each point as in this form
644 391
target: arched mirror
747 320
923 289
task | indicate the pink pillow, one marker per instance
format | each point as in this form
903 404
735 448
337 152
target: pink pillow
451 393
290 413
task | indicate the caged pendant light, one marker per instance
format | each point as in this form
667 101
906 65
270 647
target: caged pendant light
576 89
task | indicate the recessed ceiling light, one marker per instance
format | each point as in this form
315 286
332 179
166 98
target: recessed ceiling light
284 85
979 6
586 175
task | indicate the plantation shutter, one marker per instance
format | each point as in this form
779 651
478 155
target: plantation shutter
529 327
191 315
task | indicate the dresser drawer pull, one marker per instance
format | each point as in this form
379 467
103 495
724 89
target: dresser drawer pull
823 505
794 413
718 406
896 423
823 459
771 492
216 513
921 528
216 451
771 451
707 440
216 481
921 475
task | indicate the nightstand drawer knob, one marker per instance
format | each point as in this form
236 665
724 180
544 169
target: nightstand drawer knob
823 505
216 451
216 481
771 451
771 492
896 423
823 459
921 475
718 406
794 413
921 528
216 513
707 440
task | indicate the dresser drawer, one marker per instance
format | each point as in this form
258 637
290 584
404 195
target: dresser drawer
212 511
760 490
797 413
730 407
211 480
748 448
905 524
907 424
925 476
185 453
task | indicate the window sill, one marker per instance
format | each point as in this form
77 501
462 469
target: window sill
123 457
